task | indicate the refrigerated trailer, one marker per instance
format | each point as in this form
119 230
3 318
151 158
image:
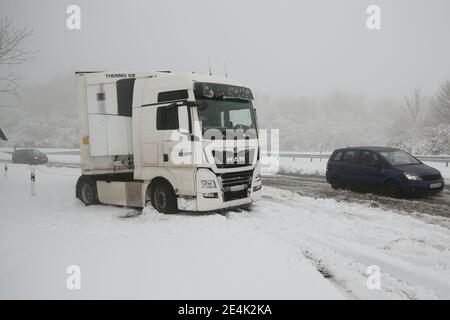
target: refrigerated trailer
175 141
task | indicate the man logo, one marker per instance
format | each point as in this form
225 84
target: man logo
235 159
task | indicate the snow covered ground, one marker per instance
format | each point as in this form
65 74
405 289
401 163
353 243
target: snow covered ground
150 256
274 251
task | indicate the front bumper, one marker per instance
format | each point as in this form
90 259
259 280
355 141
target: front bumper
423 186
221 197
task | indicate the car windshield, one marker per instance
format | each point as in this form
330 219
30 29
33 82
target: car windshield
399 158
226 114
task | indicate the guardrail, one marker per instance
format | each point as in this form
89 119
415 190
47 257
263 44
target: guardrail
294 155
320 156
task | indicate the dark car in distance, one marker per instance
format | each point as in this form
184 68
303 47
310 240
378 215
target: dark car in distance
382 168
29 156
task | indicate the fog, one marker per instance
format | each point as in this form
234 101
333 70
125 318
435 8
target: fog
284 47
281 49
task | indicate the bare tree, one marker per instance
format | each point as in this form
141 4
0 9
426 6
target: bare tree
413 104
12 52
441 103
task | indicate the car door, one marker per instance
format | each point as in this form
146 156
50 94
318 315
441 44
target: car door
21 156
351 168
372 169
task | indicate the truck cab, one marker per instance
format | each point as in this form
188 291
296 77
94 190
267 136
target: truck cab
175 141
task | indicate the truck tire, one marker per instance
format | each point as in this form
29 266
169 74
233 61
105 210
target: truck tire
87 190
163 198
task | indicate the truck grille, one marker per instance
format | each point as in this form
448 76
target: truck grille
230 159
432 177
236 178
233 179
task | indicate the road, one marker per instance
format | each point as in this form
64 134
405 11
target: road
316 186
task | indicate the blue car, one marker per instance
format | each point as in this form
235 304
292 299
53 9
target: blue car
389 169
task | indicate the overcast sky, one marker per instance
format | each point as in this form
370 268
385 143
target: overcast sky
276 47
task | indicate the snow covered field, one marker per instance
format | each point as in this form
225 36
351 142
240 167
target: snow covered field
274 251
150 256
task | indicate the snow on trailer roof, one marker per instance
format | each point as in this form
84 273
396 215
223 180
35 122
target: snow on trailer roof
95 77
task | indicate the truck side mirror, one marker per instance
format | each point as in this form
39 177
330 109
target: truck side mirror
183 119
203 105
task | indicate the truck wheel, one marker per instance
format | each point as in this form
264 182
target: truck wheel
164 199
87 191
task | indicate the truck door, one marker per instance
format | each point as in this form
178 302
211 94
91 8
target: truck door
151 138
173 123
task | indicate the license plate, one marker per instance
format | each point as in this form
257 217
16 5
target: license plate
435 185
237 188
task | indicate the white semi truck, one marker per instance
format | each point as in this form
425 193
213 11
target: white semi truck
177 141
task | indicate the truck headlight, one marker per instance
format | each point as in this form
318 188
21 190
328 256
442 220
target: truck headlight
208 184
412 176
258 177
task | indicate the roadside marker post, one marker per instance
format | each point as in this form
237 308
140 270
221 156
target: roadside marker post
320 147
33 181
5 173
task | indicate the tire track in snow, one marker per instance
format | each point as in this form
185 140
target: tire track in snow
342 240
434 209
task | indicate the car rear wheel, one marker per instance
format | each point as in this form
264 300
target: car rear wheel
393 188
337 183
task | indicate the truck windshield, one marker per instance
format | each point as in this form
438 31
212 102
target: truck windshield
226 114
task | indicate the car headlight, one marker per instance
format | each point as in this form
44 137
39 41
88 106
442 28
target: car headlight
412 176
208 184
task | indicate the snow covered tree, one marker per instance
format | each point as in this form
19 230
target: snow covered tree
441 104
12 52
413 104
